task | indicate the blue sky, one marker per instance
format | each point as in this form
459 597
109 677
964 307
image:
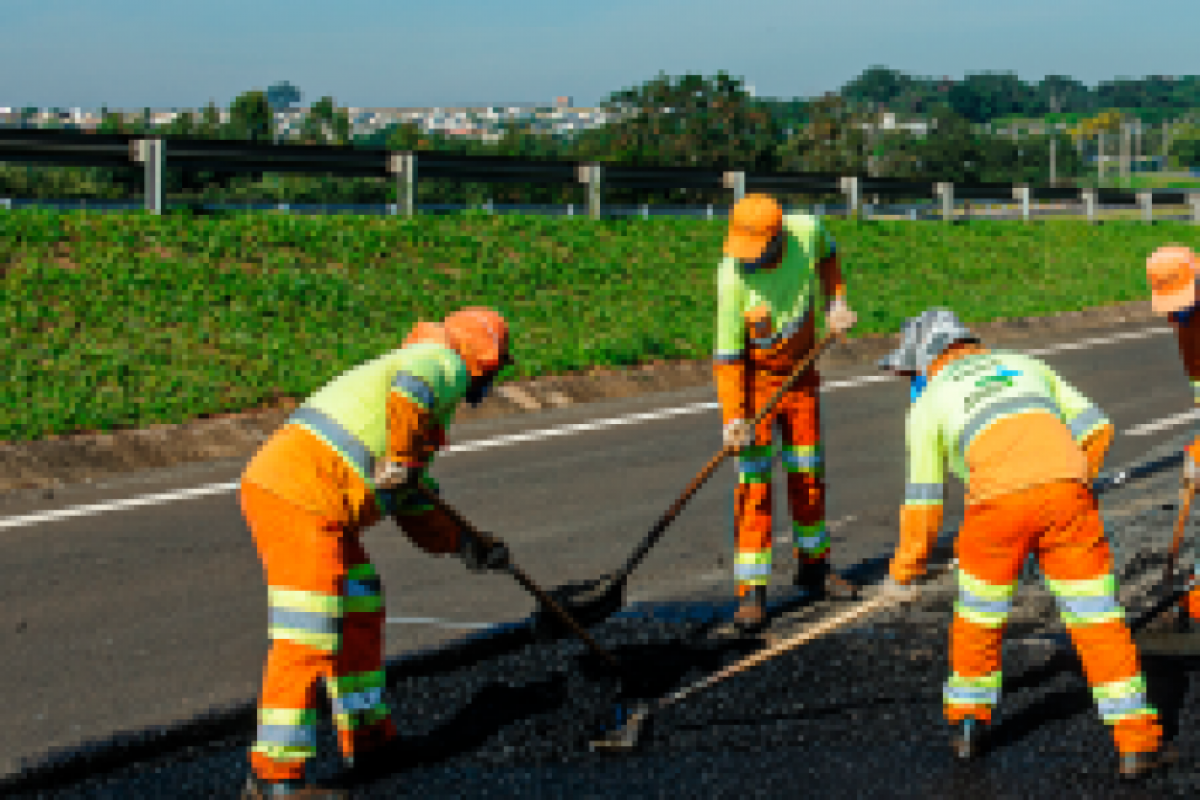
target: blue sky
163 53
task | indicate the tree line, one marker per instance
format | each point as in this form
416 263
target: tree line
689 120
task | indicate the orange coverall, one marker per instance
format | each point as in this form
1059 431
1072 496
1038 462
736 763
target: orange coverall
306 509
743 387
1029 492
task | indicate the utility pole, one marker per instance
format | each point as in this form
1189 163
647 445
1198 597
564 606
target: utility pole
1054 106
1100 157
1125 126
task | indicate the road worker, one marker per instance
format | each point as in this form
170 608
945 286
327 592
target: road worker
1172 272
1026 444
765 327
350 455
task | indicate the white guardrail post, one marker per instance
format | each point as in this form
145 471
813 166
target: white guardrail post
404 167
1021 195
1146 201
735 180
592 175
850 188
946 192
1194 200
1089 204
151 153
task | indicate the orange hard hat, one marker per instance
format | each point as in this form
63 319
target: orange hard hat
480 335
1171 272
754 221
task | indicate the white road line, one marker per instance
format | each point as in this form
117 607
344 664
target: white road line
441 623
529 436
116 505
1164 423
1086 343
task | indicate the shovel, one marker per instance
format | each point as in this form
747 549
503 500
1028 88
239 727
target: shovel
592 602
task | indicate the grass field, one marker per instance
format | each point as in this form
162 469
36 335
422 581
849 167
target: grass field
126 320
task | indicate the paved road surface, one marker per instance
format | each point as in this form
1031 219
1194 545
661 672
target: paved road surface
144 616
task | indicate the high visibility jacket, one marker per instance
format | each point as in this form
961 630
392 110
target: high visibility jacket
1003 421
396 406
765 319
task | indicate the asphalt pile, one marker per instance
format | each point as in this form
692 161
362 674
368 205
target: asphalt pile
856 714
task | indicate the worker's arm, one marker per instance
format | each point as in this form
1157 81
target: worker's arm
921 514
829 270
414 436
729 357
838 316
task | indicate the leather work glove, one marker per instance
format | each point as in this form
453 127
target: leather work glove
479 556
840 318
899 593
738 434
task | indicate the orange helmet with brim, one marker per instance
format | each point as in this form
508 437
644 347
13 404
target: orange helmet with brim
480 335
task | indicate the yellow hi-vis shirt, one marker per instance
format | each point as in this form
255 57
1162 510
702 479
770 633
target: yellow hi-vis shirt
785 292
1003 421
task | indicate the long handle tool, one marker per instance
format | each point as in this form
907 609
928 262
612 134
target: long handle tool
545 599
627 736
594 601
1186 493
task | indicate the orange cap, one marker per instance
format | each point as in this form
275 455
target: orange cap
755 219
480 335
1171 271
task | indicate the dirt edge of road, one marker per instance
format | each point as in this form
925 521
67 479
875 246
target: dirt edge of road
87 458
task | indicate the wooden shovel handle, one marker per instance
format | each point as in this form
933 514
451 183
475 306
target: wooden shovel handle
1186 494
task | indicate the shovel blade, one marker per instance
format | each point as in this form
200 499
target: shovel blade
625 737
587 602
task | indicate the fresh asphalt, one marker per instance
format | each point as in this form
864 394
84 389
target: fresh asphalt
117 620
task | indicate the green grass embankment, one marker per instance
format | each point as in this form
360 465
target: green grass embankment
127 320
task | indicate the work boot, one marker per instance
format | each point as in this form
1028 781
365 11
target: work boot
752 613
1137 765
966 738
258 789
819 581
812 576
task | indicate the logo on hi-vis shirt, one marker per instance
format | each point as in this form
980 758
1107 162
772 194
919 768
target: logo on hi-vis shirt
987 385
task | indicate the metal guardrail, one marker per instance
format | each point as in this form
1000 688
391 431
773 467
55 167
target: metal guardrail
156 154
911 211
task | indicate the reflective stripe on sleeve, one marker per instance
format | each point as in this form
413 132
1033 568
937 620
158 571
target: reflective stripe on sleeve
414 389
1085 422
924 494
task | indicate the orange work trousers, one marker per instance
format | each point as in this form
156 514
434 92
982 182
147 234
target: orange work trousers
798 417
326 624
1060 523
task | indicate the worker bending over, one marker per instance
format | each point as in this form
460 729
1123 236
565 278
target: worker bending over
1026 445
765 328
350 455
